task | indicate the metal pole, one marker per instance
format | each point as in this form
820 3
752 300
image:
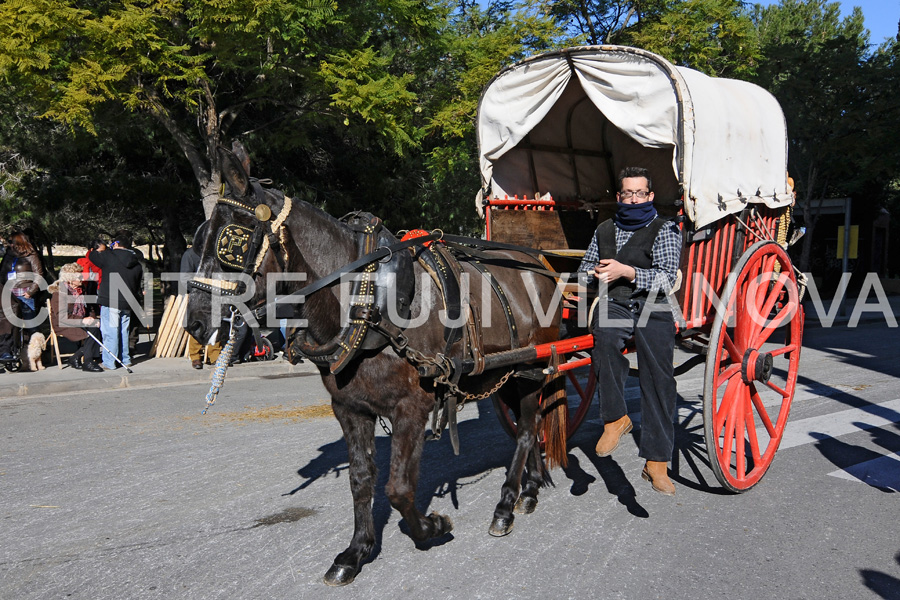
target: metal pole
845 260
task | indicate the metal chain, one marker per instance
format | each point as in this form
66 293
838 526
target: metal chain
477 397
417 358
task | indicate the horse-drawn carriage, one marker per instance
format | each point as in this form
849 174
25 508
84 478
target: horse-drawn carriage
553 132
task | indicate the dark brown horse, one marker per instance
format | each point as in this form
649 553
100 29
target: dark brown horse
381 382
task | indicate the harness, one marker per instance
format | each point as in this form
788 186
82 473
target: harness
383 263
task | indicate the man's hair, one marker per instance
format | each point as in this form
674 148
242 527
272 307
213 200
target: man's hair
123 236
628 172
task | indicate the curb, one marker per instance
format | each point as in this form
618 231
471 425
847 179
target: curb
161 372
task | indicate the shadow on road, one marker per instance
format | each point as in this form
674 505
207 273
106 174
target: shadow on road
886 586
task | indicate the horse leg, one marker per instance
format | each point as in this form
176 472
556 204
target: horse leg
406 454
536 477
359 432
526 441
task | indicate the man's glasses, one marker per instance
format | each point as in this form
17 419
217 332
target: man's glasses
628 194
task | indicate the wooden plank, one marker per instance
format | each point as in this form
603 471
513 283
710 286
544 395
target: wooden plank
172 330
163 323
177 329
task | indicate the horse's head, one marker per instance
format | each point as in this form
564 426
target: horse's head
246 241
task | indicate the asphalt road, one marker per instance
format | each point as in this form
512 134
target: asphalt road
135 494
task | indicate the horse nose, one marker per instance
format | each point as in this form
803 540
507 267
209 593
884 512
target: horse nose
198 330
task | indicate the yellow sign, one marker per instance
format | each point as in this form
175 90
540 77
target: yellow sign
854 242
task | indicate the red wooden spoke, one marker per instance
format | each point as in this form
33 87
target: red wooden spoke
773 387
736 355
730 371
761 411
739 426
763 315
729 425
575 383
725 404
785 350
755 276
754 441
763 336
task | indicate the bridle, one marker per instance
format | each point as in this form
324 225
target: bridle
244 248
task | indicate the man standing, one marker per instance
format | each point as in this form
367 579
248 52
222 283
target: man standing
120 285
635 258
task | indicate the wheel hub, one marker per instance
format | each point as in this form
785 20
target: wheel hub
756 366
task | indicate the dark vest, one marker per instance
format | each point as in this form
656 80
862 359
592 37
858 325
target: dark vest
637 252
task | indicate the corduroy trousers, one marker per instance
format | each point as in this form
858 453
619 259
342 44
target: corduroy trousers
653 329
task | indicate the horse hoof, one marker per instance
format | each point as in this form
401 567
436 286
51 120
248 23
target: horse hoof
339 575
442 524
501 526
525 505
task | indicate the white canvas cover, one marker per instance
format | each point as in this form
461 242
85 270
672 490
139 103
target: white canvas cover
565 123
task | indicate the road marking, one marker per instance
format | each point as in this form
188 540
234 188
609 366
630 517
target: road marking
883 472
813 429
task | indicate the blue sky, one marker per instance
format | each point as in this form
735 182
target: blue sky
881 16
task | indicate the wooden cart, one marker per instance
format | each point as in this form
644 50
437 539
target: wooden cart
555 129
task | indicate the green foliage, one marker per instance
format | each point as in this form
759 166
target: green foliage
364 88
716 37
818 68
119 104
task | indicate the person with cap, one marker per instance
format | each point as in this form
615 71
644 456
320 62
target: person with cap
634 259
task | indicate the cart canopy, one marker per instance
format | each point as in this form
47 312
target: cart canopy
565 123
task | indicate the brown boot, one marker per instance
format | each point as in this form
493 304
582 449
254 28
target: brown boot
656 473
612 433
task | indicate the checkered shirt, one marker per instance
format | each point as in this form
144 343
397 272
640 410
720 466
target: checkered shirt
660 277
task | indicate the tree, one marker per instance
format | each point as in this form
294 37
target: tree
202 69
603 21
834 94
475 44
716 37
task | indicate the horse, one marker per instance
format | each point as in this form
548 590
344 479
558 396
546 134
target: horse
382 381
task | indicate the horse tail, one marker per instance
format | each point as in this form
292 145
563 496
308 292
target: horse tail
555 417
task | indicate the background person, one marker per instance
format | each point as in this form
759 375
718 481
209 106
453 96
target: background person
68 299
121 277
22 264
190 262
636 255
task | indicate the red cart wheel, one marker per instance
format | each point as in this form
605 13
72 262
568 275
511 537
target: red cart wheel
578 404
751 367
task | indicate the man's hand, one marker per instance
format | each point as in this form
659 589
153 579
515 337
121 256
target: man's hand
608 270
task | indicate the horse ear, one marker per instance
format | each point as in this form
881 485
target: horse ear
240 152
233 172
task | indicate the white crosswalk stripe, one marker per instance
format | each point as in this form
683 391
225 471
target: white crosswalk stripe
813 429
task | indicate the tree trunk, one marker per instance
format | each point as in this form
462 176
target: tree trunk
210 192
174 244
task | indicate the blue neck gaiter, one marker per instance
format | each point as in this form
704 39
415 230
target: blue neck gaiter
632 217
